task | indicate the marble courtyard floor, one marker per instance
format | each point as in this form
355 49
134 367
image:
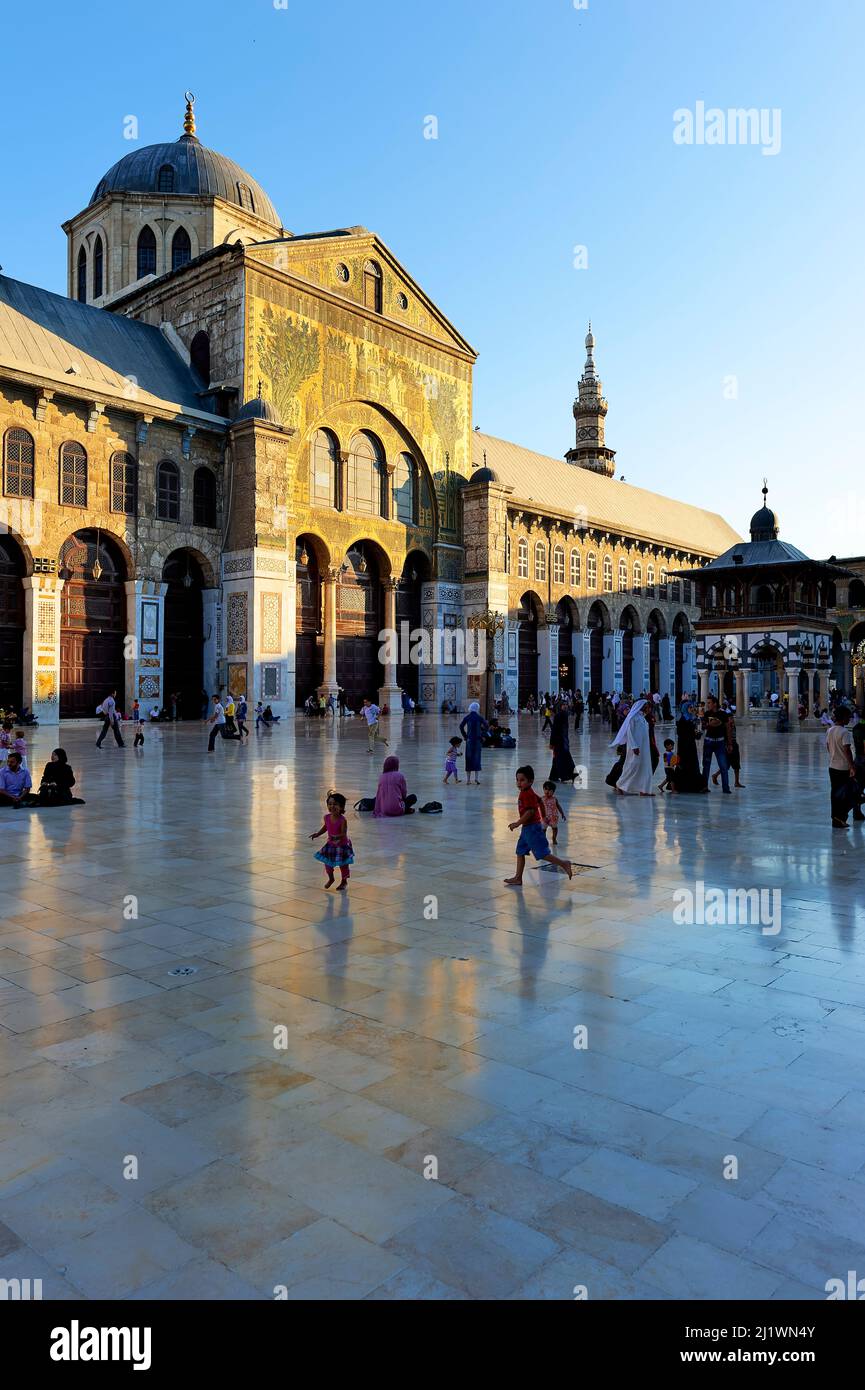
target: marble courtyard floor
413 1041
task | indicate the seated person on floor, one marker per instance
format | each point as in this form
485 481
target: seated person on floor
15 782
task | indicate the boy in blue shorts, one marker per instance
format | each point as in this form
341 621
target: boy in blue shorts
533 839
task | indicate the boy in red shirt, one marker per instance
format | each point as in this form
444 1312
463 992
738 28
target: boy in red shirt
533 839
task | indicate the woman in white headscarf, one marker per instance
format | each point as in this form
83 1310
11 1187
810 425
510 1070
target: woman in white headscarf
636 777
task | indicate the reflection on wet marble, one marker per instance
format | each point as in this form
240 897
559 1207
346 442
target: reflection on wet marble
432 1086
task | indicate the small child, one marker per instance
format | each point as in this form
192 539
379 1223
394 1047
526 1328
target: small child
552 810
138 741
338 850
671 762
533 839
19 746
453 752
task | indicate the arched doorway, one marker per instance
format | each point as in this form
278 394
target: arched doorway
656 628
630 625
598 622
309 630
92 623
415 573
359 605
529 620
569 623
12 569
682 636
184 633
769 667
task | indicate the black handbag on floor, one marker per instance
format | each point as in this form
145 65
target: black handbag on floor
366 803
432 808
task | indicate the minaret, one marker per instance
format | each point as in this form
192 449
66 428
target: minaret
590 409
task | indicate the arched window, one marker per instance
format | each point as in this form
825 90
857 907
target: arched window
662 585
650 581
73 475
323 460
507 552
165 179
522 558
82 276
181 248
199 355
19 453
146 257
372 286
245 198
204 498
97 268
623 576
559 565
592 571
638 576
168 491
404 488
364 475
540 561
575 569
608 575
124 483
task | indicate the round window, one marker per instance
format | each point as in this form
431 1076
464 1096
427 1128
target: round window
342 272
402 300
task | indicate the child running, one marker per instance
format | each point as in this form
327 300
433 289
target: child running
338 850
533 839
552 810
671 762
451 760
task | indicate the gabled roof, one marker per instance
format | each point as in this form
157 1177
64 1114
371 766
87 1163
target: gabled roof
44 335
565 489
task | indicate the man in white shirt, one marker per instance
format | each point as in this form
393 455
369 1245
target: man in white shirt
110 720
217 722
842 772
370 713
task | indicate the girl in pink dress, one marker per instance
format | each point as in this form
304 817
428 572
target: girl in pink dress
338 851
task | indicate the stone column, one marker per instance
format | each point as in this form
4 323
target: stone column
847 678
704 685
741 694
542 675
792 692
823 689
210 632
329 579
41 683
389 694
554 659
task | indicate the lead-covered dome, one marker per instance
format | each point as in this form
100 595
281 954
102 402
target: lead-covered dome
188 168
764 523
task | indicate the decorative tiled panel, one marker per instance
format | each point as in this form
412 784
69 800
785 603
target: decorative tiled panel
148 687
270 682
47 624
237 624
271 623
270 564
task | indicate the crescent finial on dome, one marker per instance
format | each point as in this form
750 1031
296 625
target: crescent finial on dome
189 118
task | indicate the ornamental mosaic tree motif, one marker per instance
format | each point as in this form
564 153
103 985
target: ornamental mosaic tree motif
288 355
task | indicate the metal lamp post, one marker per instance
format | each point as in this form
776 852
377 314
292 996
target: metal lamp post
491 623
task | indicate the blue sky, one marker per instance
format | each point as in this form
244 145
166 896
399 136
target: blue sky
555 130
